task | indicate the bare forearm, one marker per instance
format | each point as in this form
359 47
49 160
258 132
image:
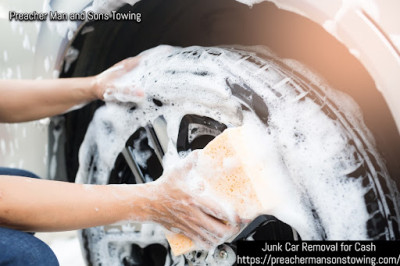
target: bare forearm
25 100
42 205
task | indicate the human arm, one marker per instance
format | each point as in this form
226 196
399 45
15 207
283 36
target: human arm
42 205
26 100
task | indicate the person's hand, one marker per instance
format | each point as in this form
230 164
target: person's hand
105 87
182 207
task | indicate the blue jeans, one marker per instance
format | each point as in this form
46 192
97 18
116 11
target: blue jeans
20 248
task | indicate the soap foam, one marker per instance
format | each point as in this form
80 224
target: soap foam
303 155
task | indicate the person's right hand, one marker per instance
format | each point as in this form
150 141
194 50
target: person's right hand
183 208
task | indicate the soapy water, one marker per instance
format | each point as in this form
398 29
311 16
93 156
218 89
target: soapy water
289 140
319 166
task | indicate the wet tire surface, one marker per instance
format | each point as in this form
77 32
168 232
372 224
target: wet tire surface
99 51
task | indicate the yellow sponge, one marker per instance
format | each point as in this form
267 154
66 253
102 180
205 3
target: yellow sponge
180 244
229 157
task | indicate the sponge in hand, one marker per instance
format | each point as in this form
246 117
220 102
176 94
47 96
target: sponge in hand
235 177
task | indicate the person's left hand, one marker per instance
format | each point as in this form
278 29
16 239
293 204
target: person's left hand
106 89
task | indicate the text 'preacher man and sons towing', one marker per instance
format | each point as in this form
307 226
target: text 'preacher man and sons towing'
62 16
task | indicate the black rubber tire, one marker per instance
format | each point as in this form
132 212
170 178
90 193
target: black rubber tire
381 198
185 23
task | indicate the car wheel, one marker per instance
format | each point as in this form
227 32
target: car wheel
256 84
